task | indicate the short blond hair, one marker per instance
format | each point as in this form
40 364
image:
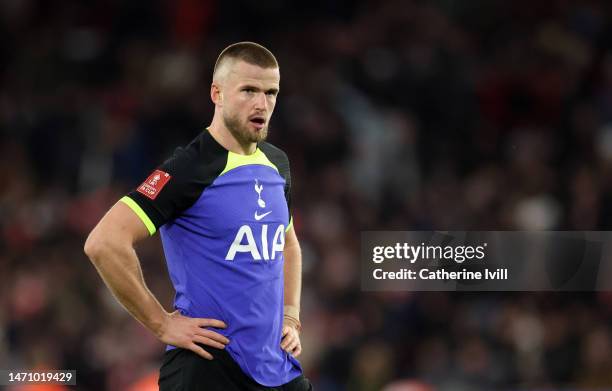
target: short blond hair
249 52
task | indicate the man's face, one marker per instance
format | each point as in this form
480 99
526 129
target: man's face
249 96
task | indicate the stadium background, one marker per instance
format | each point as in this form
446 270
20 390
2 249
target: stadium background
395 114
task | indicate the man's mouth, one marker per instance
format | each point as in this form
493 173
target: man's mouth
258 122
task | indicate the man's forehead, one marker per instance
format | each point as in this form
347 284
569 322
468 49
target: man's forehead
242 72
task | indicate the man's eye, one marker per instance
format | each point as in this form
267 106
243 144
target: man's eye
271 93
249 90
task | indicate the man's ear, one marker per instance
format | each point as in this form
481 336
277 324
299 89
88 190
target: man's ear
216 95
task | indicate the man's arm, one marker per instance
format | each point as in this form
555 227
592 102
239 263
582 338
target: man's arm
110 246
293 289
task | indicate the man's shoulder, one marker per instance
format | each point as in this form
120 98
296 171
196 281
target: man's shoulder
274 153
200 155
278 157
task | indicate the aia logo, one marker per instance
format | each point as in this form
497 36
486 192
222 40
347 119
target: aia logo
265 247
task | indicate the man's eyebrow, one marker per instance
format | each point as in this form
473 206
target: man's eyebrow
250 86
253 87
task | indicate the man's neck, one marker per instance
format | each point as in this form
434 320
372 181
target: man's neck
223 136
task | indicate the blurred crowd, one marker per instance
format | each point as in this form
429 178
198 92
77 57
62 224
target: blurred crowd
396 115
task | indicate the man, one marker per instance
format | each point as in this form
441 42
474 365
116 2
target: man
222 205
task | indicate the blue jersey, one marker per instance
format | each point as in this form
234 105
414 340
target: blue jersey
222 219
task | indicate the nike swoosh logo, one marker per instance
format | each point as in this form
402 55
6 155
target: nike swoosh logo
259 217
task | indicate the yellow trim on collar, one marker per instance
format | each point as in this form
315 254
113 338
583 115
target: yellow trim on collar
235 160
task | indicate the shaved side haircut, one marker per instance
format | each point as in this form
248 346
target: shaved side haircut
249 52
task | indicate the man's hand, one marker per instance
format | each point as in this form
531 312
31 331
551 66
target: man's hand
184 332
290 341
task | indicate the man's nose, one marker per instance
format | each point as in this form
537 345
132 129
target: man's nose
261 103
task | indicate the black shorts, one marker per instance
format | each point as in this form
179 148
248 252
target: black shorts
183 370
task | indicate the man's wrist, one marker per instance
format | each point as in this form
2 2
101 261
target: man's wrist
292 322
159 324
292 311
292 317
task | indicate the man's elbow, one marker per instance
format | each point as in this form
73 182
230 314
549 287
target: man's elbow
95 246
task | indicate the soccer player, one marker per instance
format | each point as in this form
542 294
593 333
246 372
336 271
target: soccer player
222 205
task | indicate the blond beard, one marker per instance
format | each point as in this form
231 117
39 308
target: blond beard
241 132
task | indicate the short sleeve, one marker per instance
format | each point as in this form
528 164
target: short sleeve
287 176
168 190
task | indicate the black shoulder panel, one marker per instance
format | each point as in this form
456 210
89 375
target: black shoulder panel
191 170
281 161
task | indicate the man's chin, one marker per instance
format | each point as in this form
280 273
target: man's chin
259 135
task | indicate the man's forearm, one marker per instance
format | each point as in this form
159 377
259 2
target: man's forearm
120 269
293 279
